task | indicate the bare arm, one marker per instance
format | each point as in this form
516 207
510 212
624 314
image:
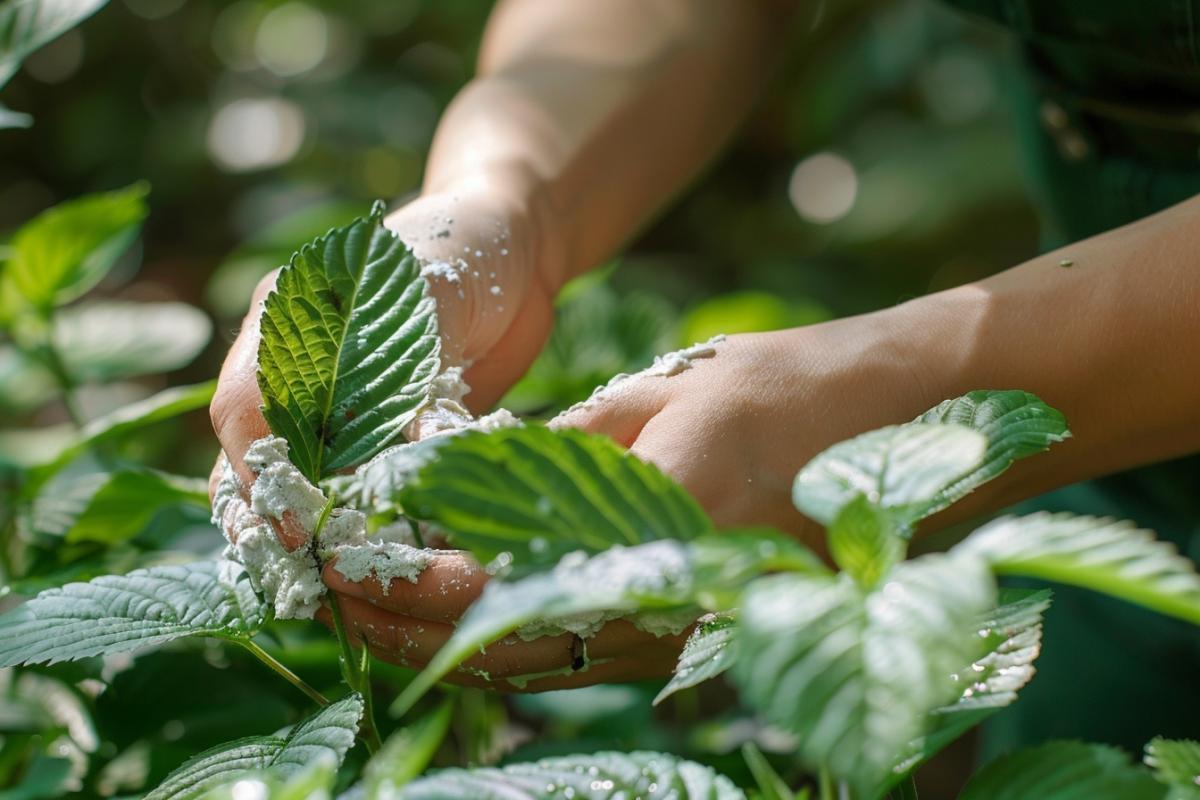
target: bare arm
595 113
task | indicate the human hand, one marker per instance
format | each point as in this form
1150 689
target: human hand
735 428
494 312
410 622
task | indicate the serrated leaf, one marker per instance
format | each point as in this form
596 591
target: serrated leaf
108 340
314 781
349 346
66 250
541 493
599 776
708 652
1017 424
1063 771
854 675
619 580
327 734
1176 762
118 613
1101 554
26 25
1013 640
901 468
864 542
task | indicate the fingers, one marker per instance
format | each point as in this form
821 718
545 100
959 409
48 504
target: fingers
442 593
619 412
619 651
235 413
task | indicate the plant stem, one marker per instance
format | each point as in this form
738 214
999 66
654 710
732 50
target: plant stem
287 674
906 789
826 784
66 383
356 677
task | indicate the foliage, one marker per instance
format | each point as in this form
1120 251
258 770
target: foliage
868 668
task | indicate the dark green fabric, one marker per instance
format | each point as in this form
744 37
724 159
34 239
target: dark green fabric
1108 104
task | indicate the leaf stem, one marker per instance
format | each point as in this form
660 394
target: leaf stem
906 789
283 671
356 674
826 785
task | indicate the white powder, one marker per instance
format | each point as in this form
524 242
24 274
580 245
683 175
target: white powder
619 572
290 581
229 488
665 623
386 561
664 366
281 487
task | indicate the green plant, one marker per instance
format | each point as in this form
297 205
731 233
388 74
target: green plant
869 668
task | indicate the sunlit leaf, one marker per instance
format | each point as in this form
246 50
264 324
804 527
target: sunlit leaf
326 735
118 613
901 468
349 346
709 651
540 494
107 340
1101 554
66 250
13 119
864 542
1017 424
1013 640
852 674
598 776
128 500
1064 771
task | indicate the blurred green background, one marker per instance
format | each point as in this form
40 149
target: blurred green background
878 166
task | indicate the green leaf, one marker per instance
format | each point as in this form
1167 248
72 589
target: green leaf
770 785
349 346
1013 640
1017 424
159 407
124 505
106 340
599 776
13 119
725 561
24 383
584 589
407 752
854 675
1063 771
66 250
118 613
708 652
1101 554
26 25
1176 762
540 494
864 542
327 734
108 507
313 781
902 469
45 778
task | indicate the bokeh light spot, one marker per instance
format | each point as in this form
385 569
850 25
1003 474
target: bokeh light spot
255 133
292 39
823 188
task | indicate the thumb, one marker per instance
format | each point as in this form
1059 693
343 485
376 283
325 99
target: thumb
620 410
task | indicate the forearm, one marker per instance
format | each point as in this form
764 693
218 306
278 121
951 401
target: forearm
600 111
1107 330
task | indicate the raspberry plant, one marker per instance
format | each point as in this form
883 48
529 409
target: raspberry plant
869 664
